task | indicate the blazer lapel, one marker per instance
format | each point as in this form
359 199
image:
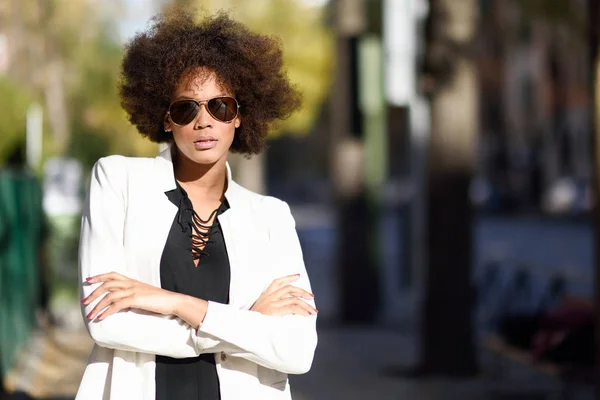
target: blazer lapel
161 213
227 221
164 213
237 231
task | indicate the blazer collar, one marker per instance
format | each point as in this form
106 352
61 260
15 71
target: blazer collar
165 177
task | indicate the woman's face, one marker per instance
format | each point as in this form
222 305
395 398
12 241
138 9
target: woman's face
205 140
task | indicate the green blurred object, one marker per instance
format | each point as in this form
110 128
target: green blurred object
21 236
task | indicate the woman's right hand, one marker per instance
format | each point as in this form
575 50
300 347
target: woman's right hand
281 298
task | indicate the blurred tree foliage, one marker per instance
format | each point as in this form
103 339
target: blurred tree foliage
13 103
66 54
307 46
99 124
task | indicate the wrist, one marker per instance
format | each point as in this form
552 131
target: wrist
177 302
190 309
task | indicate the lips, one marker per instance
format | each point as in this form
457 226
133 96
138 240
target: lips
206 139
205 143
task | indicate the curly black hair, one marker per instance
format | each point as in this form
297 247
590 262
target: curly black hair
175 45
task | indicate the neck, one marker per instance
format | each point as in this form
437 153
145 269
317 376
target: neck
205 180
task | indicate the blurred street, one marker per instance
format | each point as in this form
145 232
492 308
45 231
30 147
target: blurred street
362 363
350 363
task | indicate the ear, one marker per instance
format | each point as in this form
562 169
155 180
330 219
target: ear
237 122
167 123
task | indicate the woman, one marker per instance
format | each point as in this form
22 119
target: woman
192 286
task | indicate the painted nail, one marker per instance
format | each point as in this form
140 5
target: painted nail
88 316
83 301
312 295
100 317
88 279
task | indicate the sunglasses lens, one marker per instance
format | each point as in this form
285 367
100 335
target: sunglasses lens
223 108
183 112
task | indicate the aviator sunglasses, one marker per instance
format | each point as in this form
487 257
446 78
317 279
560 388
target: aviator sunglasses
222 108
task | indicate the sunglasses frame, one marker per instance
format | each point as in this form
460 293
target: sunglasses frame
205 103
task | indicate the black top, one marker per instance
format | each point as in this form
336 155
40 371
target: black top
192 378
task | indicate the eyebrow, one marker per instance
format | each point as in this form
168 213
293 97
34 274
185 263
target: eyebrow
193 98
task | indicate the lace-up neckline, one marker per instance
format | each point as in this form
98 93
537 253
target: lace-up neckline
199 231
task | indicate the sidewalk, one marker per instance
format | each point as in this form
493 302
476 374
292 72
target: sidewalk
355 363
51 365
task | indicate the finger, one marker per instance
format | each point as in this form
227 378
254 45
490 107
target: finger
108 301
294 291
299 310
293 309
111 276
105 302
298 292
106 287
306 308
279 282
116 307
296 302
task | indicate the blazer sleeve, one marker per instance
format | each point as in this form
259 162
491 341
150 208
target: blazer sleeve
287 343
101 250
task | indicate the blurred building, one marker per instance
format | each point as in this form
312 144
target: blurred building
535 107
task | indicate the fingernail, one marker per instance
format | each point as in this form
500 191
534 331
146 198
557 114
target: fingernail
88 279
101 316
83 301
88 316
312 295
297 275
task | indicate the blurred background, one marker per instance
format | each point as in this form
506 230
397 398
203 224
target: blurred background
441 173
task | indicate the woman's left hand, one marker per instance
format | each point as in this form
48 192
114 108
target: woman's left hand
124 293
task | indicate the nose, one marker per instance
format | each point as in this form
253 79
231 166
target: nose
203 119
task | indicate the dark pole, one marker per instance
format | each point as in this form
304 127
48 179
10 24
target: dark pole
448 346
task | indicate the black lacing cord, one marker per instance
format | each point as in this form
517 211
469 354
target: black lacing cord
199 228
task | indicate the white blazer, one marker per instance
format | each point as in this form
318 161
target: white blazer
125 224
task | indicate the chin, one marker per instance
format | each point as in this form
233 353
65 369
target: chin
205 157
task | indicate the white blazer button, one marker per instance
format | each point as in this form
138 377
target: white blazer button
223 357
